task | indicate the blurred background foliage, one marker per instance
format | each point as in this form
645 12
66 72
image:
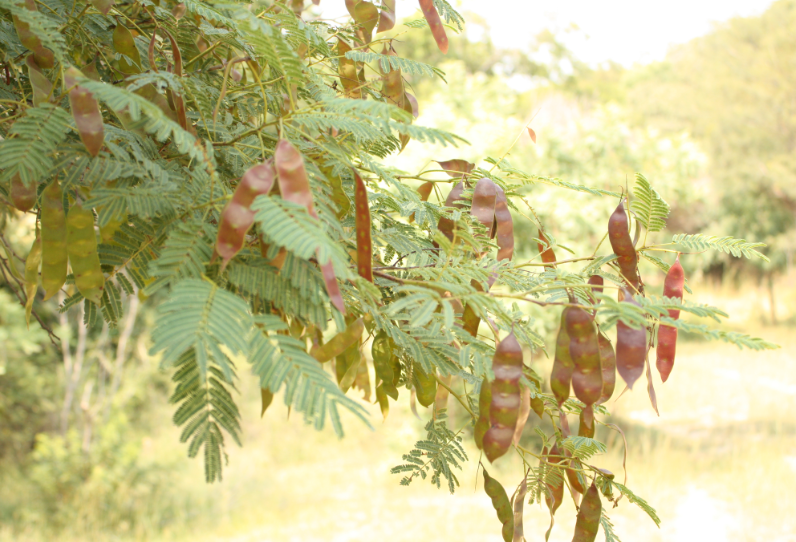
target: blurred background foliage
84 445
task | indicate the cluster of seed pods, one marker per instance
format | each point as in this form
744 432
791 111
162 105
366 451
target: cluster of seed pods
501 504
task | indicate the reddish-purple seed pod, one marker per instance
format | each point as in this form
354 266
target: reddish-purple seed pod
667 335
435 24
608 363
505 406
561 376
631 346
584 349
622 244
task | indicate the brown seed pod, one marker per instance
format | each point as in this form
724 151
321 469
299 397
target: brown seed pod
501 504
483 208
631 346
86 112
572 474
519 499
23 196
364 246
597 281
584 350
471 321
392 86
386 16
608 363
504 226
347 70
589 514
554 495
548 256
505 407
525 411
456 168
44 57
622 244
435 24
561 376
446 225
294 185
42 87
237 217
424 191
667 335
584 429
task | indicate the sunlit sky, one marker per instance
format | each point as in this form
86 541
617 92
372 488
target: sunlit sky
624 31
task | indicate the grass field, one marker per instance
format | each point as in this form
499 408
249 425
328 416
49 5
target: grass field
718 465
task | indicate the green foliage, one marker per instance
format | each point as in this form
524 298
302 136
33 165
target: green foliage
728 245
437 454
648 206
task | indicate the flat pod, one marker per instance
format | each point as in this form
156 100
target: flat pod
364 246
608 363
667 335
589 514
519 500
347 71
470 320
41 86
83 258
622 244
44 57
504 226
598 282
456 168
386 16
367 16
85 111
435 24
53 240
525 411
548 256
631 347
483 424
124 44
425 385
445 224
237 217
383 355
501 504
505 406
340 342
23 196
484 197
424 191
294 185
32 263
392 87
554 495
561 376
584 350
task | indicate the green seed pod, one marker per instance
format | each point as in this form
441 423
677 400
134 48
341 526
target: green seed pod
42 87
82 247
483 424
561 376
589 514
537 405
32 263
53 240
501 504
85 111
425 385
505 407
585 430
124 44
340 342
347 71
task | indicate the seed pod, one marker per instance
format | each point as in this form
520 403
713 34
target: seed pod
554 495
425 385
364 246
383 353
483 424
42 87
537 405
237 217
53 240
435 24
667 335
347 366
505 407
386 16
631 346
44 57
347 70
584 350
608 363
584 429
340 342
22 195
470 320
622 244
86 112
294 185
103 6
561 377
392 87
384 403
456 168
367 16
597 281
504 226
266 397
424 191
501 504
525 410
572 474
589 515
124 44
446 225
410 106
83 258
548 256
519 534
32 263
483 208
